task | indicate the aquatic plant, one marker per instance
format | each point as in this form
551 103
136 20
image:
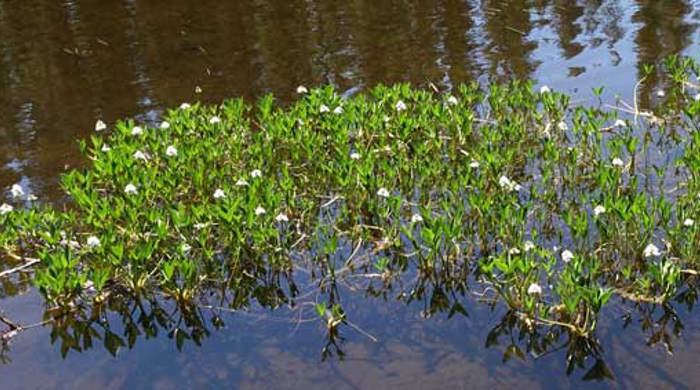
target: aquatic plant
548 208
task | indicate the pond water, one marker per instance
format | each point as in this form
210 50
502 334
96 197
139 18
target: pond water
63 65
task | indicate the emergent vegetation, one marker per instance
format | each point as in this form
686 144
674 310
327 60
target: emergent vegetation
543 206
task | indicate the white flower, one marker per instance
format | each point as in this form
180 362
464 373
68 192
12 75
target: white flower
282 217
620 123
660 93
69 243
105 148
545 132
415 218
185 106
474 164
197 89
219 193
139 155
400 105
514 251
528 246
185 247
137 130
5 208
383 192
697 96
355 156
688 222
100 126
562 126
31 197
130 189
214 120
259 211
599 210
171 151
338 110
545 89
241 182
302 90
323 109
452 100
93 242
534 289
508 184
165 125
617 162
255 173
567 256
16 191
651 250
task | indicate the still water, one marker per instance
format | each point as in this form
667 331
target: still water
65 64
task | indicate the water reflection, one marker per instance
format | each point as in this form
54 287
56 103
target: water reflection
664 28
276 305
62 65
65 64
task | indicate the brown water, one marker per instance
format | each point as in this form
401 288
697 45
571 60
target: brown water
65 64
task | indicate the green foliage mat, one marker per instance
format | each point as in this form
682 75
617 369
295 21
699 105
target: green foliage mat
543 206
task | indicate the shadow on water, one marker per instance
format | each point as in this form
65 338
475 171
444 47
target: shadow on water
65 64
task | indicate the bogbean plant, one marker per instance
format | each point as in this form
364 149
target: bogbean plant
553 208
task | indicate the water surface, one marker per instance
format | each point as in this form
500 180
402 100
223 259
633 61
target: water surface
65 64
